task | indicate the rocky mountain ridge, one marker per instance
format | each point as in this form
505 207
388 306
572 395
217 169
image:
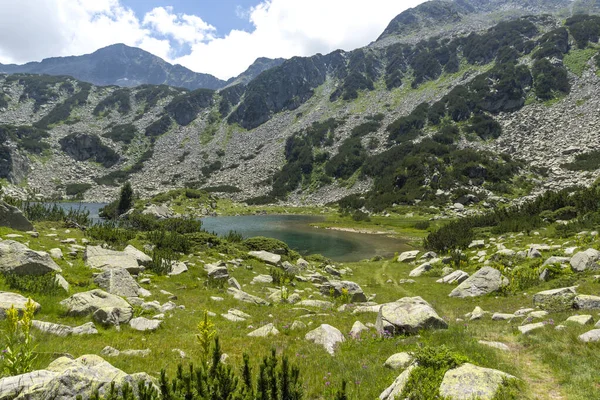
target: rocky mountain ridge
127 66
236 141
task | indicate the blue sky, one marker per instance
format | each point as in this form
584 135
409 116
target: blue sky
222 14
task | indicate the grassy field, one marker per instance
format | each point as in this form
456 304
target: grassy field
552 364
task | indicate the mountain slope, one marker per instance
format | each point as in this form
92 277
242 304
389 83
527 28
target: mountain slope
401 123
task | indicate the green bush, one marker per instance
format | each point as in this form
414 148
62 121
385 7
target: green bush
271 245
110 232
33 284
119 97
122 133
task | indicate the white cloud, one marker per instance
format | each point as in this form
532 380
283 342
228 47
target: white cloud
34 29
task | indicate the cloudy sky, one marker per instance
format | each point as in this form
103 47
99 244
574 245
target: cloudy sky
220 37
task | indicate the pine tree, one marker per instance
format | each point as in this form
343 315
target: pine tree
125 199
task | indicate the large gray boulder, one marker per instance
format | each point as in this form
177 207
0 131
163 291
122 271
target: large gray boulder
141 257
144 324
118 282
420 270
484 281
8 299
158 211
408 256
86 303
217 271
399 361
338 287
265 256
408 315
246 297
16 258
590 336
327 336
100 258
587 302
555 299
585 260
264 331
13 218
66 379
470 381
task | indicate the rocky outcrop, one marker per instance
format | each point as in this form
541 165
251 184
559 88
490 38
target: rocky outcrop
106 308
66 378
338 288
394 391
13 218
585 260
16 258
264 331
100 258
265 256
246 297
326 336
83 147
555 299
470 381
117 281
8 299
408 315
484 281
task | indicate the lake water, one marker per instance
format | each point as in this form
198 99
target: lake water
295 230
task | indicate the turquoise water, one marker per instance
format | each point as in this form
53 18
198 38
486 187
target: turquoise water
295 230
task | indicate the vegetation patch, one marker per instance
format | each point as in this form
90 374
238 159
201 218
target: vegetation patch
584 162
120 99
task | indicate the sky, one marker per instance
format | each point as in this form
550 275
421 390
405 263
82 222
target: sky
219 37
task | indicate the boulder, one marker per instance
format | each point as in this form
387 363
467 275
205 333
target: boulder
143 324
357 329
217 271
86 329
555 299
159 211
262 279
322 304
408 256
86 303
495 345
408 315
502 317
338 287
585 260
477 313
477 244
399 361
245 297
420 270
265 256
264 331
8 299
556 260
394 391
100 258
586 302
178 268
297 326
454 277
12 217
470 381
56 253
117 281
590 336
327 336
66 378
581 319
232 282
141 257
16 258
52 329
525 329
534 252
484 281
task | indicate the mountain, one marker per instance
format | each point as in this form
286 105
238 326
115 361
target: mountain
119 65
259 66
456 100
126 66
